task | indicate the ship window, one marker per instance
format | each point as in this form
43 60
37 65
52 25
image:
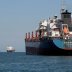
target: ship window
66 16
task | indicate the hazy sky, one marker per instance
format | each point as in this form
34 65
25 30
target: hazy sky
20 16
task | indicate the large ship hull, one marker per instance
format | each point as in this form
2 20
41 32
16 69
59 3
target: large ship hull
47 47
49 52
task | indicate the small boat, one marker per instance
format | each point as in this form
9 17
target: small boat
10 49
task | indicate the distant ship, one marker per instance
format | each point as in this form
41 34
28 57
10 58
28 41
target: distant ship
10 49
53 36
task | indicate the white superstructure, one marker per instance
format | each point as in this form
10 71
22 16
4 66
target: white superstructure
10 49
55 27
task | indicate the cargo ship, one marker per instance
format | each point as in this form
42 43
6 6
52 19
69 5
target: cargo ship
53 36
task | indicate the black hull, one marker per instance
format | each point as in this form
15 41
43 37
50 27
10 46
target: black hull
45 51
46 47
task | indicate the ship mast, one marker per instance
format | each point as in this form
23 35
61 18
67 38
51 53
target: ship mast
63 6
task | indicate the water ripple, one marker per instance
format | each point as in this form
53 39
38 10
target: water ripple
19 62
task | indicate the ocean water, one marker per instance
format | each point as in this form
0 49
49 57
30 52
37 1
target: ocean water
19 62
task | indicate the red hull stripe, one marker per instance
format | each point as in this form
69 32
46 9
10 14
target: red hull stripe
67 48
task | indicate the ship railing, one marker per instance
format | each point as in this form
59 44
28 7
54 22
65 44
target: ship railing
55 36
70 35
35 36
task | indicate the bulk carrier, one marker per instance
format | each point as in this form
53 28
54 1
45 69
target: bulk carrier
53 36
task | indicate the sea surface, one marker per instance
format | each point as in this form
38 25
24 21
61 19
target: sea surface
19 62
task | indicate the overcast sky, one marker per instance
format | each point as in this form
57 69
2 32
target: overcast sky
20 16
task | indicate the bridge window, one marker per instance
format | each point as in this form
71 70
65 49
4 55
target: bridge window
66 16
